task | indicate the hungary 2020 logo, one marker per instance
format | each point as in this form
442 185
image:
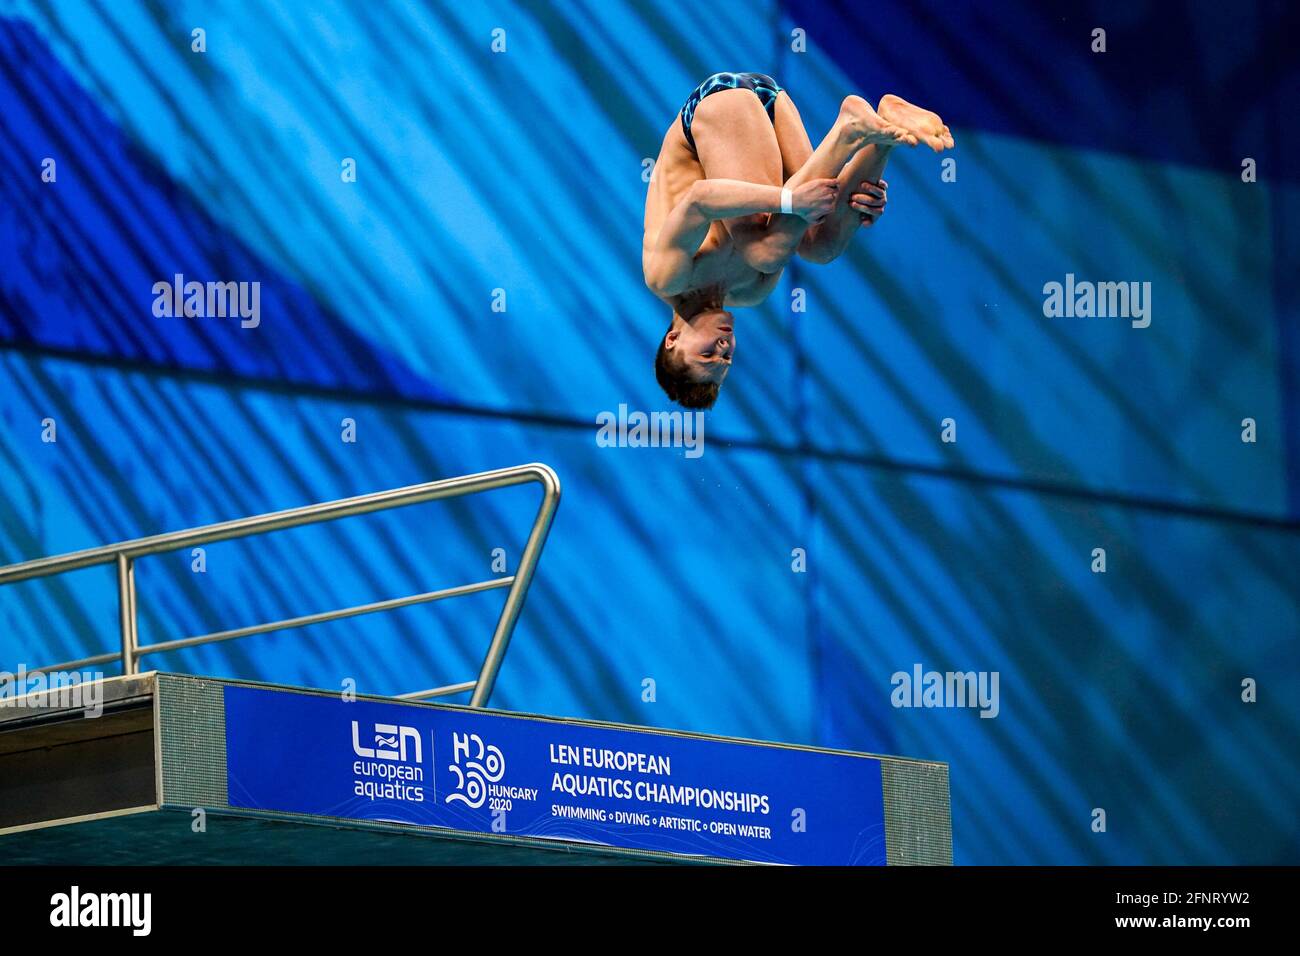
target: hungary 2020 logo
475 765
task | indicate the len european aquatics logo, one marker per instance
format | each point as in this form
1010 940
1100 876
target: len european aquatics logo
389 765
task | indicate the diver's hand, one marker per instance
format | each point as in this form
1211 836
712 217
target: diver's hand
813 201
869 203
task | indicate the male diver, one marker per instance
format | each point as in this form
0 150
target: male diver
738 191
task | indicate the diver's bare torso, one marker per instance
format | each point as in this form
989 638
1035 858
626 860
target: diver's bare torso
718 272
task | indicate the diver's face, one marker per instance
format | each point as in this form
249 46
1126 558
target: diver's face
706 344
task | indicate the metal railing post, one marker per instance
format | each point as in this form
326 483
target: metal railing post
126 612
496 653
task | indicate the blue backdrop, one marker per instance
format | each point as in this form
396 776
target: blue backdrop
522 171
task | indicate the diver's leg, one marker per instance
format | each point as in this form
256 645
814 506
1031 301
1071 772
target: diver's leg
857 127
791 136
855 149
863 175
831 236
734 140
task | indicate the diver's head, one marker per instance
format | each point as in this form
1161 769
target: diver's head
695 356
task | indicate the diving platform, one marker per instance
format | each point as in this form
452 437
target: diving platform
159 768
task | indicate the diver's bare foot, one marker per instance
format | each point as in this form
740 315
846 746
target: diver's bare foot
926 126
868 127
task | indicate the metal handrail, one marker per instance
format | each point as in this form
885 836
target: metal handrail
125 553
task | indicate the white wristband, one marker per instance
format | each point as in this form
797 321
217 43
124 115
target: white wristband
787 200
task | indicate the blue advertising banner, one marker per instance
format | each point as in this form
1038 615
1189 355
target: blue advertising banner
535 777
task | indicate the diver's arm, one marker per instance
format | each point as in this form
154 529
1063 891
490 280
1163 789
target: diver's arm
768 243
667 264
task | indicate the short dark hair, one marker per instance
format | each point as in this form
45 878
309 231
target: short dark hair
674 378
